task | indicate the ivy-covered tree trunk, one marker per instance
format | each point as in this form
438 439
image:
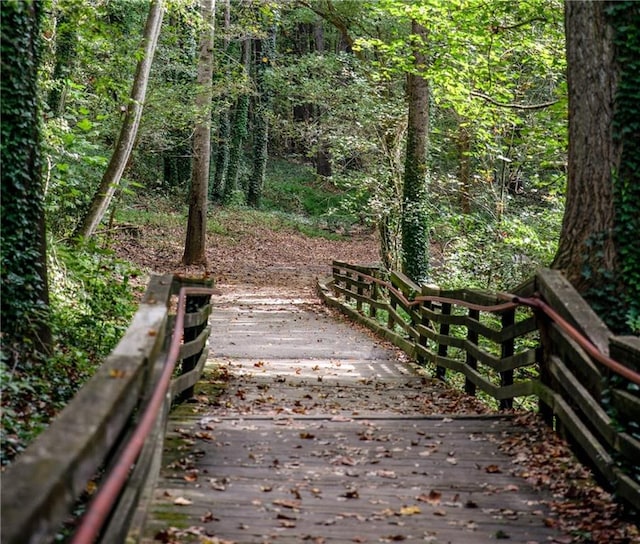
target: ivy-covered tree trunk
221 146
195 242
221 150
263 55
118 162
415 234
600 225
65 54
625 19
238 128
24 293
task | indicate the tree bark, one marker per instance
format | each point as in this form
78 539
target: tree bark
195 242
23 256
263 57
415 236
219 170
129 129
238 130
586 251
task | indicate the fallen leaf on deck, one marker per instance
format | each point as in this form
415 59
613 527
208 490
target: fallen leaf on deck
410 510
286 503
432 498
181 501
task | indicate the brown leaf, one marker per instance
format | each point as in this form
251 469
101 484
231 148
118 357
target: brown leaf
287 503
208 517
432 498
492 469
181 501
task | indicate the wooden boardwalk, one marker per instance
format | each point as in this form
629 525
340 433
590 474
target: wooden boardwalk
324 435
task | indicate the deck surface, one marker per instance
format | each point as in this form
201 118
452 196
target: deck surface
324 435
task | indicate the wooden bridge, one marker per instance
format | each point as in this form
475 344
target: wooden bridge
295 426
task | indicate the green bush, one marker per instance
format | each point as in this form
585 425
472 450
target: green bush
92 302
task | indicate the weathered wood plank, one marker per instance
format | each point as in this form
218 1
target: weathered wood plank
626 350
564 299
363 462
195 346
599 420
51 474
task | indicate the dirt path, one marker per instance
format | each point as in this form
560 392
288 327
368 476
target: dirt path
249 254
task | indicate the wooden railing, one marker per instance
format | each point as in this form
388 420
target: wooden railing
506 351
80 447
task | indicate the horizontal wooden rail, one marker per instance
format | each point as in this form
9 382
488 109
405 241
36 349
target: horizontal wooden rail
86 440
557 350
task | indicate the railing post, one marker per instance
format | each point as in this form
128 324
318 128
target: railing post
374 296
507 350
347 285
393 304
443 349
472 362
360 290
194 303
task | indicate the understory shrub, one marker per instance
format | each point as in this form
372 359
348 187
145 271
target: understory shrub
92 302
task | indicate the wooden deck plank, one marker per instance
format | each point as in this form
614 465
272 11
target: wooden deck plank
315 443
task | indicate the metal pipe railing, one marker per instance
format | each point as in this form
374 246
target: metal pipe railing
109 490
513 302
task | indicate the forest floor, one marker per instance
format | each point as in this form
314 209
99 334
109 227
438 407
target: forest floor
249 252
254 256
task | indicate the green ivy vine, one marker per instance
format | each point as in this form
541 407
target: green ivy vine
625 20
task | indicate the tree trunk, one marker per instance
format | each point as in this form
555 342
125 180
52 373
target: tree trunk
324 166
263 57
195 242
129 129
464 172
238 130
415 236
24 288
219 169
586 251
65 54
221 147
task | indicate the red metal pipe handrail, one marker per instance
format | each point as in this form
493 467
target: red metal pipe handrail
514 302
102 504
582 340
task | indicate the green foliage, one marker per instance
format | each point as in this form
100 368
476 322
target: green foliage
625 19
75 161
294 188
478 250
92 303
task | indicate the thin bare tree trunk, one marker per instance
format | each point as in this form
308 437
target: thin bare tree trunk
194 246
129 129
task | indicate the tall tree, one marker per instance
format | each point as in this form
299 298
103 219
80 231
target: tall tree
195 242
111 178
263 57
25 293
599 140
415 234
65 54
239 128
221 148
